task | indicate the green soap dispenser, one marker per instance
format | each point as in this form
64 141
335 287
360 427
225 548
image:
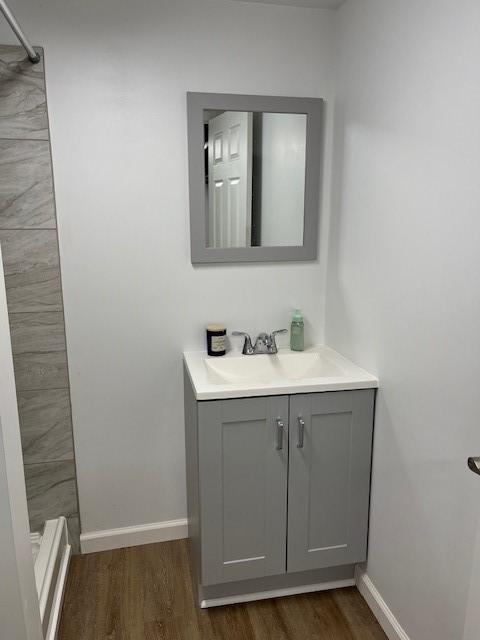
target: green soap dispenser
297 342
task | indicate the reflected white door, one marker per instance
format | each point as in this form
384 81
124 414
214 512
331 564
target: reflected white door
472 623
230 179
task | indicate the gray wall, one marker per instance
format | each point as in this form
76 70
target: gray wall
116 77
403 291
28 236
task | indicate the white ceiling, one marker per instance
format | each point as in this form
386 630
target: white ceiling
323 4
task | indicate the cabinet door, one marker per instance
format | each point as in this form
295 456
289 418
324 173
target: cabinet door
243 457
329 479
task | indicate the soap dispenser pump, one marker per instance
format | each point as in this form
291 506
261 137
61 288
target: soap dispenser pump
297 341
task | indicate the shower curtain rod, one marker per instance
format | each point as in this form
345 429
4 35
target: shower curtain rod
10 18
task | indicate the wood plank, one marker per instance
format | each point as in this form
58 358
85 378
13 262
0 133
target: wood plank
146 593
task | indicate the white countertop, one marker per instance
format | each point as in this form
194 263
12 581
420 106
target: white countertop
313 370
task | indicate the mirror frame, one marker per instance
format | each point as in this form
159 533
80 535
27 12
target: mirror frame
313 109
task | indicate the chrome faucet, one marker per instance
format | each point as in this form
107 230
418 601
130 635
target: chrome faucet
265 343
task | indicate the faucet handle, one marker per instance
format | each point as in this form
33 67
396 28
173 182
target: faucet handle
247 345
275 334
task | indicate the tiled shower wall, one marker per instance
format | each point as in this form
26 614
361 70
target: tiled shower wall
28 237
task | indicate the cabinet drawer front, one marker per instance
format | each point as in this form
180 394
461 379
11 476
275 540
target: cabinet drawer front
329 478
243 488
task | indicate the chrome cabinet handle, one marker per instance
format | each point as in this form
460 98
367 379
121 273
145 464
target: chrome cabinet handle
301 432
280 428
474 465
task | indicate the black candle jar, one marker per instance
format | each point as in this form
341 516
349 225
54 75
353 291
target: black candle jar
216 340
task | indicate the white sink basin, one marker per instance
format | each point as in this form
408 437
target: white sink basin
236 375
267 368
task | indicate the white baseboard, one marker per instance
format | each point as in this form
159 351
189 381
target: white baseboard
107 539
379 607
275 593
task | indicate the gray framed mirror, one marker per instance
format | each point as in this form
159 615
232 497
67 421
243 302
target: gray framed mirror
254 177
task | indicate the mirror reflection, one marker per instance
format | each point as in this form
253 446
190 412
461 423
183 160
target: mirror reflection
254 178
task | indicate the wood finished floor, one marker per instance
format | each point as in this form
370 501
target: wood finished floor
145 593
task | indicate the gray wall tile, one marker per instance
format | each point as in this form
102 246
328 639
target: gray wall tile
35 371
32 270
26 188
45 425
37 332
32 273
37 290
51 492
23 108
73 525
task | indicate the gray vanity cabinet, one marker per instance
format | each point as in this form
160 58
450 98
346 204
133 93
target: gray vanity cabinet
329 478
243 463
278 488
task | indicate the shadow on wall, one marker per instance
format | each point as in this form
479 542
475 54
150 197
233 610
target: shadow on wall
336 305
